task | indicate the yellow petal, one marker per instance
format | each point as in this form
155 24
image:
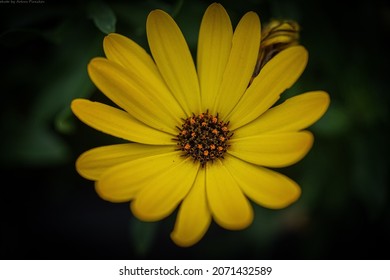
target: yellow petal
118 123
228 205
140 66
122 182
193 218
214 45
265 187
296 113
91 164
242 61
128 53
280 73
163 191
272 150
173 58
133 95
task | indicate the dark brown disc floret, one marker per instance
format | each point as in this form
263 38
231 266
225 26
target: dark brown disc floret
203 137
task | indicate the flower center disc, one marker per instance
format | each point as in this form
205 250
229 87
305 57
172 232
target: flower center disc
204 137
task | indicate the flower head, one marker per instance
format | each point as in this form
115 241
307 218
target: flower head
199 138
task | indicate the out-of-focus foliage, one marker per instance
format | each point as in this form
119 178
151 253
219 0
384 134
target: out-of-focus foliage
344 210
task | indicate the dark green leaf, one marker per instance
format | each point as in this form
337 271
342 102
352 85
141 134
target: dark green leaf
102 15
142 234
30 143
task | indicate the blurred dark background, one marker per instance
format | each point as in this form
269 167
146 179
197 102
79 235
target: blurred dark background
49 212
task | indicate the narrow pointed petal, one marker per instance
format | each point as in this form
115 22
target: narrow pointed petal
242 61
263 186
141 67
122 182
173 58
93 163
193 218
272 150
165 190
296 113
214 45
132 94
118 123
228 205
280 73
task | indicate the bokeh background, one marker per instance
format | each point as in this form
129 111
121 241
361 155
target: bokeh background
50 212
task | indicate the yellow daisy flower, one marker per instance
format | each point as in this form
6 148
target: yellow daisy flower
199 137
